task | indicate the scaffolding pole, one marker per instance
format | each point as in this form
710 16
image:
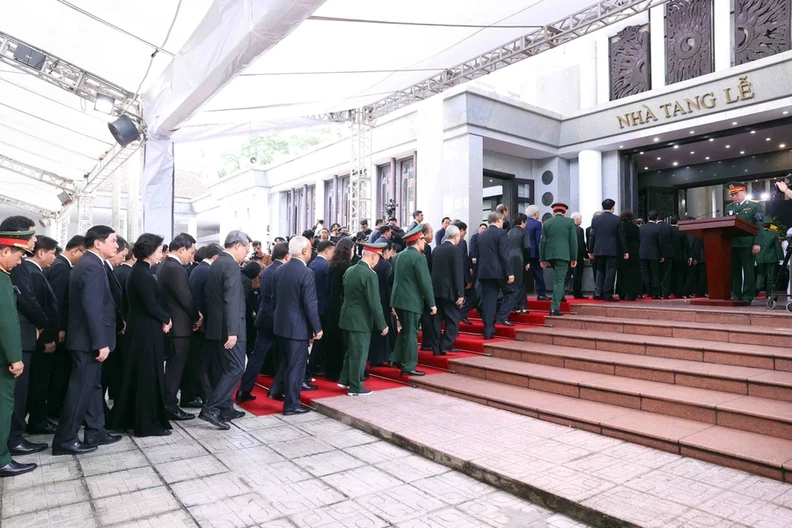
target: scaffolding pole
360 168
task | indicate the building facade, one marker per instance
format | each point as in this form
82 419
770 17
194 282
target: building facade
656 112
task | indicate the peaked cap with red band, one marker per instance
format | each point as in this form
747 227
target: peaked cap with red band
17 239
735 187
559 208
374 248
414 234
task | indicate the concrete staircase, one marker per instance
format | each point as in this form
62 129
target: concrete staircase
712 384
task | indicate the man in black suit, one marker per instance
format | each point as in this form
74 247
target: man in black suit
429 341
36 316
696 280
448 281
41 371
667 252
225 329
471 299
577 271
650 255
196 388
186 318
321 268
90 337
474 249
296 319
265 338
112 367
58 277
607 244
679 266
495 274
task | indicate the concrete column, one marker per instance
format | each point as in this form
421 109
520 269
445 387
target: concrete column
461 180
657 45
722 33
698 202
589 183
192 226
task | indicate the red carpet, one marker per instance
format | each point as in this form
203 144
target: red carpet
393 373
427 358
535 318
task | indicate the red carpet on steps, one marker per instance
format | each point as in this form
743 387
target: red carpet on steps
536 318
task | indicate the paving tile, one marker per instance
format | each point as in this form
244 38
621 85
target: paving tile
361 481
377 452
400 504
706 472
672 487
254 423
642 455
350 438
142 504
282 471
698 519
347 514
283 522
446 518
301 447
44 497
504 510
177 436
111 462
326 463
412 467
732 506
210 489
558 521
761 488
299 496
248 458
608 468
173 519
67 516
191 469
238 512
281 433
228 442
453 487
167 453
636 507
323 427
586 440
568 483
127 481
771 517
125 444
65 469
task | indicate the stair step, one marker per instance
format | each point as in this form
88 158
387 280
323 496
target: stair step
748 316
745 334
764 383
531 317
760 356
748 413
757 453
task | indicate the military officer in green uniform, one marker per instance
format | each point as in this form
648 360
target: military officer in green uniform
412 290
744 248
12 246
558 249
361 313
770 253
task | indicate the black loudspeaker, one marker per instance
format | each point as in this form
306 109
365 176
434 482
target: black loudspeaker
124 130
29 56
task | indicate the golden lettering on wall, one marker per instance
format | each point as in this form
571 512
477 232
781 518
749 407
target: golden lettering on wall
645 115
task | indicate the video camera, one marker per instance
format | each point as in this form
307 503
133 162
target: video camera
778 194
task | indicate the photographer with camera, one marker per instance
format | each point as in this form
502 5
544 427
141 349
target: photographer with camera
783 185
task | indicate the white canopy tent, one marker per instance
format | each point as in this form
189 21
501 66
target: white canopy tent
212 68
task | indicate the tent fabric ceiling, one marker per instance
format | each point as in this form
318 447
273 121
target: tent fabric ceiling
321 66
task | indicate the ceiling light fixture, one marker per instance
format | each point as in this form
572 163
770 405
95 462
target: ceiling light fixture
712 139
659 158
768 139
742 152
646 168
707 157
785 112
676 146
782 145
728 146
656 140
692 131
734 123
621 146
675 164
104 104
753 131
692 151
641 153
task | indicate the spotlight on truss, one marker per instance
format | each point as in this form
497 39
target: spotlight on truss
104 104
124 130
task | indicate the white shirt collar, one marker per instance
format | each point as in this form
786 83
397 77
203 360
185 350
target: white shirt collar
126 263
321 256
107 263
69 262
174 257
36 263
95 253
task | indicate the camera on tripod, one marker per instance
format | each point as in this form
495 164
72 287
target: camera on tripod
779 194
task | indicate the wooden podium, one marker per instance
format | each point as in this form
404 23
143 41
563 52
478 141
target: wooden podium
717 234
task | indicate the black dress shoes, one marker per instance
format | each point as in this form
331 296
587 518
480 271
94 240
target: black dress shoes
542 298
452 351
598 297
195 403
215 420
233 414
161 432
278 397
563 299
555 313
581 296
243 397
465 321
105 439
12 469
439 353
308 387
425 348
504 323
44 428
178 415
77 448
299 410
413 373
611 299
27 448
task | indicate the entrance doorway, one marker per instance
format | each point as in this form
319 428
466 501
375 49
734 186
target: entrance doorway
501 188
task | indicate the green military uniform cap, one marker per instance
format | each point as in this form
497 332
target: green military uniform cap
413 234
17 239
374 248
735 187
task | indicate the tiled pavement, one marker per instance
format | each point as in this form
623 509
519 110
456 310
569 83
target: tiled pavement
270 471
572 469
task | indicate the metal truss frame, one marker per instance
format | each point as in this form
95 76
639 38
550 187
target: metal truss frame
29 171
592 18
360 167
71 78
41 211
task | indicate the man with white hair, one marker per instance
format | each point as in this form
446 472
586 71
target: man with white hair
448 281
226 330
296 319
576 273
534 228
